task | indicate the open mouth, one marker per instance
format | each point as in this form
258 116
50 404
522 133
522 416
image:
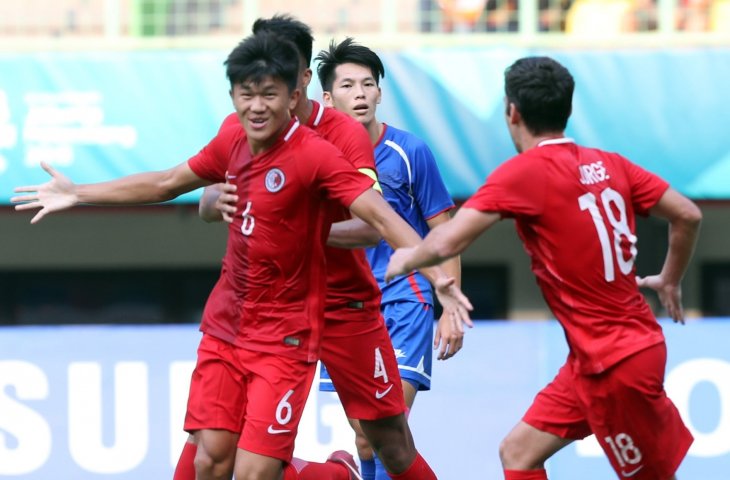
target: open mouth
257 123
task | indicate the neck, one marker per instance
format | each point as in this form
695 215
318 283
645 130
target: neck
531 141
303 109
260 146
375 130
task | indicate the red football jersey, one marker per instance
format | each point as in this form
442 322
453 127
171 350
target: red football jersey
574 209
349 278
271 291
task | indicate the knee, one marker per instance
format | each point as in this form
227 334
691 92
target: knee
391 439
213 464
514 455
364 450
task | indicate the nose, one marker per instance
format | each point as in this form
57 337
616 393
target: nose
257 104
359 91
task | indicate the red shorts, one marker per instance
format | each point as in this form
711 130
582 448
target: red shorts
258 395
627 409
361 362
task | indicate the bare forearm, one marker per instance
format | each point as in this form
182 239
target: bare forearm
353 233
682 239
206 207
142 188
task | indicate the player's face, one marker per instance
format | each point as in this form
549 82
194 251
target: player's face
354 92
263 109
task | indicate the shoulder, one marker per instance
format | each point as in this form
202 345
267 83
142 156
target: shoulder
332 118
231 119
405 143
309 141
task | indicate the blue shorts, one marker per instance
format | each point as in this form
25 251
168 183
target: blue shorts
410 326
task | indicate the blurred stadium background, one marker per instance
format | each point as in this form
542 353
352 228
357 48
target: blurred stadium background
102 88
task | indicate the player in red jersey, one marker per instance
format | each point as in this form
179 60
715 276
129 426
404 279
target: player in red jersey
354 337
574 209
253 375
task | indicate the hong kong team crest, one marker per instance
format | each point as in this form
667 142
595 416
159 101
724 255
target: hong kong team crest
275 180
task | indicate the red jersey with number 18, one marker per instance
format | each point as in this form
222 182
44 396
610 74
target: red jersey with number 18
270 296
575 209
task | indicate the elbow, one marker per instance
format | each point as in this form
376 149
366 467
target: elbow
691 215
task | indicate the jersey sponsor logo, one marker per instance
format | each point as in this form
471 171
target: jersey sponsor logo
277 431
275 180
593 173
400 353
631 473
379 394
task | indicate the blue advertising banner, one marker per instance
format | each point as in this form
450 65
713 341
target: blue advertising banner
104 402
100 115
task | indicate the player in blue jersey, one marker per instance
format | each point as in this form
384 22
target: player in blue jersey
350 75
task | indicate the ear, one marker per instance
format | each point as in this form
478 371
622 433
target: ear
306 78
294 98
380 96
513 114
327 99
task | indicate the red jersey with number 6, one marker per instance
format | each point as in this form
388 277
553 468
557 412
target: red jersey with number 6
574 209
270 296
349 278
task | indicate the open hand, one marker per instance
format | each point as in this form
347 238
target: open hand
59 193
670 295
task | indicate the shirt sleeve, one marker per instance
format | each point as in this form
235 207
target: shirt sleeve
429 188
211 162
646 187
514 189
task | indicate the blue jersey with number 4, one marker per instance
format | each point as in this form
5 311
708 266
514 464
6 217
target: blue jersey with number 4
412 185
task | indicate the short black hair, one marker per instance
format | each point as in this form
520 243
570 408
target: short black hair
263 55
291 29
346 52
542 91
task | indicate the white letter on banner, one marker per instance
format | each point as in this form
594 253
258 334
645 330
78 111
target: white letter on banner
679 384
30 431
131 417
180 373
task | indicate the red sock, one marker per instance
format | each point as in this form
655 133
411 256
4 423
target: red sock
302 470
419 470
525 474
185 469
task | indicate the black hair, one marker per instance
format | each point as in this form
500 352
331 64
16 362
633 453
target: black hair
346 52
261 56
542 91
291 29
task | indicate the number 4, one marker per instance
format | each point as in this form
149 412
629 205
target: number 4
609 198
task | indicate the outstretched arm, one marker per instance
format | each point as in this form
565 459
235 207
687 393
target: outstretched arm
443 242
449 336
61 193
684 224
372 208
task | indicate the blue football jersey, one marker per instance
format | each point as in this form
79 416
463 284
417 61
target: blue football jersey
413 186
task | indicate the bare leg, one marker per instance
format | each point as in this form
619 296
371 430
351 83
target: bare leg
216 454
364 450
252 466
392 441
527 448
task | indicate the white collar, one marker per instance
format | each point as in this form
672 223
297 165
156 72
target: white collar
555 141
